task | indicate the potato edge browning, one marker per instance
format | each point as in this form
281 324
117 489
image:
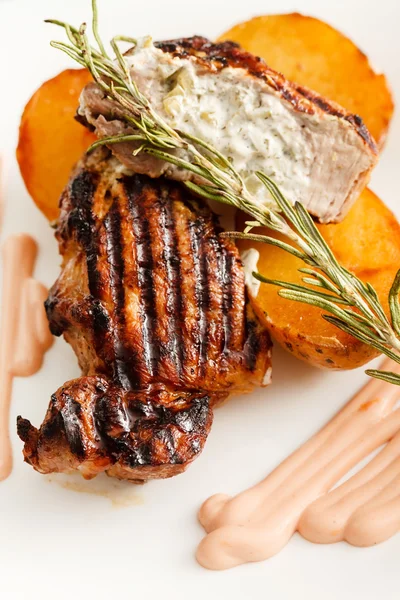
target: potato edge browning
304 48
48 130
299 328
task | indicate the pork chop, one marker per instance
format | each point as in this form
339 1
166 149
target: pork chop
317 152
153 302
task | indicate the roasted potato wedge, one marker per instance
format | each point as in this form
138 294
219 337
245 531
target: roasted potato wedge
50 140
316 55
367 242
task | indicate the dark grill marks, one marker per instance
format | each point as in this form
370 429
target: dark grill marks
82 221
136 191
256 341
155 205
235 299
165 438
225 262
214 313
189 322
222 269
71 416
202 292
112 226
174 308
141 431
252 346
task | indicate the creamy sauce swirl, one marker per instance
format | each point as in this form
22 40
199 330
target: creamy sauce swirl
298 495
25 334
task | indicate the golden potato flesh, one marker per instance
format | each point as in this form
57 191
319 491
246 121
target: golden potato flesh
367 242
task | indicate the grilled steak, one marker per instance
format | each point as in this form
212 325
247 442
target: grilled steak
154 304
315 150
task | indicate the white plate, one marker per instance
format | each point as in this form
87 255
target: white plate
58 543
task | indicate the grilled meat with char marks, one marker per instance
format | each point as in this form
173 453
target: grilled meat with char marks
316 151
92 426
154 304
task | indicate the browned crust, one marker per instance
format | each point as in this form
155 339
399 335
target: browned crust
215 57
151 242
153 302
93 426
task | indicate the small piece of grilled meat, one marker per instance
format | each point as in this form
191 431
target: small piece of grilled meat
154 304
316 151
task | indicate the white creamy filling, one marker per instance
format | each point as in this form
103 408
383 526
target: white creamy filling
121 169
226 214
267 377
250 260
313 158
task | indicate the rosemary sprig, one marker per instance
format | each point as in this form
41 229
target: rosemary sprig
352 306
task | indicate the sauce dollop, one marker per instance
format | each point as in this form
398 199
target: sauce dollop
298 494
24 334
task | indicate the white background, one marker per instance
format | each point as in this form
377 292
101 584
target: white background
57 543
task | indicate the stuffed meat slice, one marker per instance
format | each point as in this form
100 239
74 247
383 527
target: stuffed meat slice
317 152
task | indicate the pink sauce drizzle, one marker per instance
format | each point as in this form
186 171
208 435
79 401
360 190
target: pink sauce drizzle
1 191
298 495
25 334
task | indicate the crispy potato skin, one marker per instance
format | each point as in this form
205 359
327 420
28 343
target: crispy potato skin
50 140
314 54
368 243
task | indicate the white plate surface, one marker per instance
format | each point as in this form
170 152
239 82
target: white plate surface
56 542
